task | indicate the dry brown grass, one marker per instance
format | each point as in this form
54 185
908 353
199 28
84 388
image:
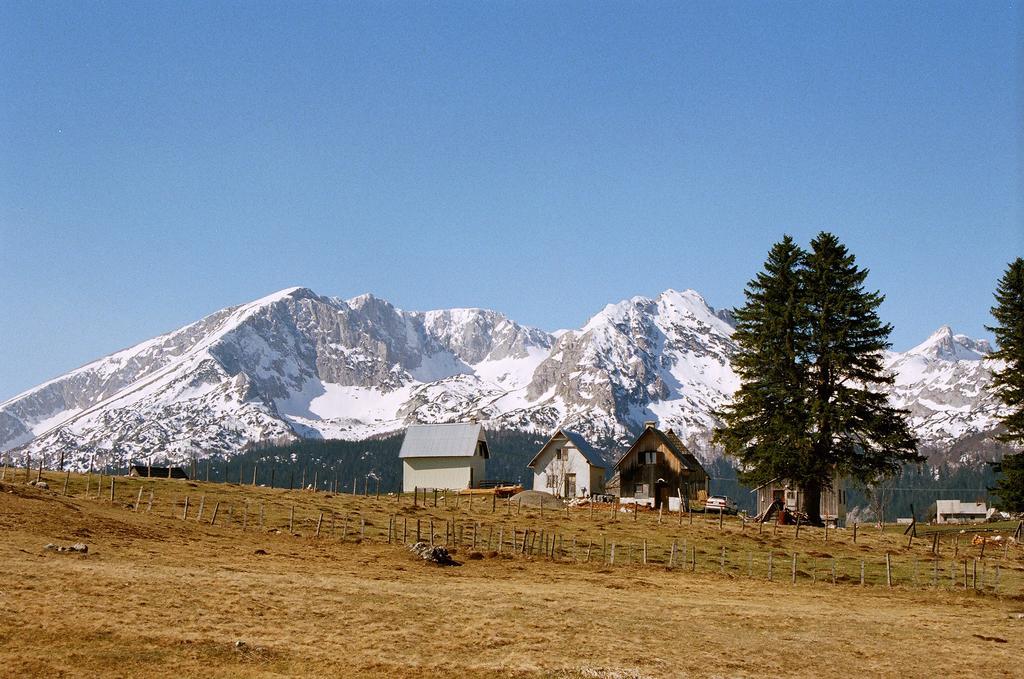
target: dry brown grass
158 596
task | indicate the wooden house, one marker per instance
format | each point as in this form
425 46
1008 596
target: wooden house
451 456
658 470
157 472
779 493
567 466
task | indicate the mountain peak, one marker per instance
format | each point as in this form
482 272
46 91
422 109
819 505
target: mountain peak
945 345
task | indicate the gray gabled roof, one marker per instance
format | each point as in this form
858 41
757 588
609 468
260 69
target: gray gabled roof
592 456
442 440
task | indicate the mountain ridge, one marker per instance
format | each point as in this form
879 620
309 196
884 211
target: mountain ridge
294 363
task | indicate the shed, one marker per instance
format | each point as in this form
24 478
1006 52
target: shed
782 492
451 456
157 472
567 466
658 469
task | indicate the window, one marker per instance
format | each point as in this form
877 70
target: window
561 454
649 457
551 480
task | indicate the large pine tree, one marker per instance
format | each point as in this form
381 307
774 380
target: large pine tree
852 429
766 420
1008 381
810 346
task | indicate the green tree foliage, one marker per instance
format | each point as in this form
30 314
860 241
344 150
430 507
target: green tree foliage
766 422
810 353
1009 485
1008 380
853 428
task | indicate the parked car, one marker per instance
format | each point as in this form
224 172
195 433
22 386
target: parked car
723 502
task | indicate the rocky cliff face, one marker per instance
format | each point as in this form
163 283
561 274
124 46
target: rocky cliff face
298 364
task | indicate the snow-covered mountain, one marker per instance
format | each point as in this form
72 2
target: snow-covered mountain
945 385
298 364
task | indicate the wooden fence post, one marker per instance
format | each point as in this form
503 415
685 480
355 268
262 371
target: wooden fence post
319 522
794 560
771 559
213 519
184 512
112 489
854 532
67 477
291 519
888 570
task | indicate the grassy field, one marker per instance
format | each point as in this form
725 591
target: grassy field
158 595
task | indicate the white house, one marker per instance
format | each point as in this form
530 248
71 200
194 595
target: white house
452 456
955 511
567 466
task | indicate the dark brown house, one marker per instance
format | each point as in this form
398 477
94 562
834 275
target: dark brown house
658 468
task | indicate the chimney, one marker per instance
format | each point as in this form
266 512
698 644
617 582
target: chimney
650 424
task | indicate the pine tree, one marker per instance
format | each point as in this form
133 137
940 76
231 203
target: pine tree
810 346
852 429
1008 381
765 424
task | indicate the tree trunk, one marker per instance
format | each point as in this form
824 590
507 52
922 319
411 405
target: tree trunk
812 502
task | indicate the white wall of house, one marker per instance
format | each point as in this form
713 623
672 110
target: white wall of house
955 511
454 473
563 471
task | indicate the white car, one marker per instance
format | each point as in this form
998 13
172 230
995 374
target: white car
720 502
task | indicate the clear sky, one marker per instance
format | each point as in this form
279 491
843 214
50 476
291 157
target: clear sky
161 160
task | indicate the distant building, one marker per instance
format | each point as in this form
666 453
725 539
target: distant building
782 493
567 466
157 472
955 511
658 470
452 456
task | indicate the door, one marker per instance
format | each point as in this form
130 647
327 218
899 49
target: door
570 485
660 495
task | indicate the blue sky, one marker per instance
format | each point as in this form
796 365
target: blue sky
159 161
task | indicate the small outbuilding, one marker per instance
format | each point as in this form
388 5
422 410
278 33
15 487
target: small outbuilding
659 471
781 493
567 466
157 472
451 456
955 511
